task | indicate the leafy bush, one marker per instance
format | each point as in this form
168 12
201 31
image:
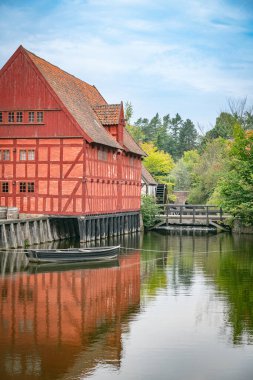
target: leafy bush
149 210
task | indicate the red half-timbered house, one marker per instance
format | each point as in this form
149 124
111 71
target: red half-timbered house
63 149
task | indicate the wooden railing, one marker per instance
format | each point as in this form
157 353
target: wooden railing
190 214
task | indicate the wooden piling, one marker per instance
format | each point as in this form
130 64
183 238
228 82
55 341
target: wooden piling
97 229
93 227
4 240
27 234
82 229
41 232
35 232
13 237
49 234
88 230
19 235
102 228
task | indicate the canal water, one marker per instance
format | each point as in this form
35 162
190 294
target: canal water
172 307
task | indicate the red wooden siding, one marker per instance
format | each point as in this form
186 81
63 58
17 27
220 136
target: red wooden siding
69 178
70 173
30 94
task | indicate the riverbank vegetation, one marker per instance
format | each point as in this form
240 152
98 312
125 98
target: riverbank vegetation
215 167
149 210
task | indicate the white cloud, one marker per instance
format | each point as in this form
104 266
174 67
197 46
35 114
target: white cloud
137 48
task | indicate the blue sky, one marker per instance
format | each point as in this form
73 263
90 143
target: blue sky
185 56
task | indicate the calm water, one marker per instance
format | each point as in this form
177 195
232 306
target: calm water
185 312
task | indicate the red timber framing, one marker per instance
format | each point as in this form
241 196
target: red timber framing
63 149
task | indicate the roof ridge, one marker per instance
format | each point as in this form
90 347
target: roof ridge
106 105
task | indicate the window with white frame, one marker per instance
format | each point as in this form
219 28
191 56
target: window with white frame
31 155
11 117
40 117
31 116
5 155
27 155
19 117
22 155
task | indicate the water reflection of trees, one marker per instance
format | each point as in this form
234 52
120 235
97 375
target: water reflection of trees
232 272
225 260
153 267
55 324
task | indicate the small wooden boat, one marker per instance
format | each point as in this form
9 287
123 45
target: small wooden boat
72 255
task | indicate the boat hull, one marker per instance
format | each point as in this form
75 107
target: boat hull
72 255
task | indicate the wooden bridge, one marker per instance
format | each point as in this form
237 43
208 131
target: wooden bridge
191 215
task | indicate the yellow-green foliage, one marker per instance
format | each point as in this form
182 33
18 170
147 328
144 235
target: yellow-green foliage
157 162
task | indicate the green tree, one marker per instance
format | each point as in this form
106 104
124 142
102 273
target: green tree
150 129
183 173
235 189
181 176
237 113
211 167
128 112
163 138
170 134
158 163
224 127
143 125
135 131
188 137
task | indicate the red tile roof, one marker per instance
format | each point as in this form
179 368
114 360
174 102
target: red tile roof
85 104
108 114
147 177
131 145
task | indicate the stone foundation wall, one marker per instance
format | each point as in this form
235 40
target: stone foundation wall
239 228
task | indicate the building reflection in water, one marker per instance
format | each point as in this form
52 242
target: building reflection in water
62 324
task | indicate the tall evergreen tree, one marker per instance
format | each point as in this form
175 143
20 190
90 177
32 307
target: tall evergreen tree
188 136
